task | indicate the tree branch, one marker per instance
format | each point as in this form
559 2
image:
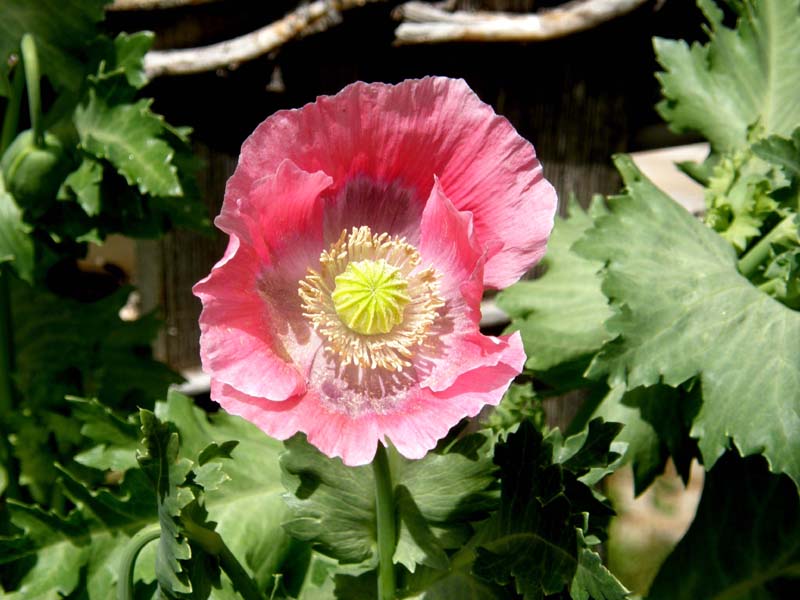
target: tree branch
316 16
426 24
152 4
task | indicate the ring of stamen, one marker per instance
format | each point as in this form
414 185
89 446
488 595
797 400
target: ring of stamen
391 344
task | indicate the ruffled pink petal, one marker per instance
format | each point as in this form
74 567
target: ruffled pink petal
407 133
333 433
252 333
413 427
236 341
429 416
281 216
448 243
456 345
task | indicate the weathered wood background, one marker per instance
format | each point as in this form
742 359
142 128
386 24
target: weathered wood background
578 99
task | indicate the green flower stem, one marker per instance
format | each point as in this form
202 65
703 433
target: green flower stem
6 347
770 287
387 535
760 252
6 384
11 116
30 61
213 543
132 549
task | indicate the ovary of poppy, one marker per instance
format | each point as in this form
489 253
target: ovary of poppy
363 230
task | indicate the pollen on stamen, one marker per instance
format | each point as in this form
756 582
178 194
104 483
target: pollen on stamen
411 311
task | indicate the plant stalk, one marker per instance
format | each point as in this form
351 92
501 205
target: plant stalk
385 513
6 348
760 252
6 385
30 62
212 542
131 552
11 115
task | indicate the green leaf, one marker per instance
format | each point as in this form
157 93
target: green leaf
591 448
16 246
64 347
362 586
53 553
437 497
685 311
671 411
592 580
62 29
458 582
783 278
126 58
646 453
561 314
115 440
112 506
743 77
783 152
657 422
190 554
533 539
744 542
416 544
127 136
519 403
455 486
331 504
60 546
159 461
318 583
248 508
84 183
741 196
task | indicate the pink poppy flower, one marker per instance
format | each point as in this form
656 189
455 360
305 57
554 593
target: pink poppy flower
363 230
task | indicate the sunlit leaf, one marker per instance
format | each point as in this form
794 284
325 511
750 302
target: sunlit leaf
685 311
745 76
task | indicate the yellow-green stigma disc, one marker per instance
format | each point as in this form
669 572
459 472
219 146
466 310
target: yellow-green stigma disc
370 296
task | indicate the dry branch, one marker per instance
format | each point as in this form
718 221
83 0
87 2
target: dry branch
152 4
316 16
425 23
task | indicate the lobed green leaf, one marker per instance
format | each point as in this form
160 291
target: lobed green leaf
536 538
685 311
438 497
742 78
560 315
127 135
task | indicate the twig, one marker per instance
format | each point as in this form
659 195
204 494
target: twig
425 23
152 4
316 16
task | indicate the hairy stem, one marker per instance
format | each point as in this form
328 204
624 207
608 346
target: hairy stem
6 346
128 561
30 61
11 115
385 513
6 383
212 542
760 252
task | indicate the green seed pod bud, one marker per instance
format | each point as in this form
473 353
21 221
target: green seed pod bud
32 173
